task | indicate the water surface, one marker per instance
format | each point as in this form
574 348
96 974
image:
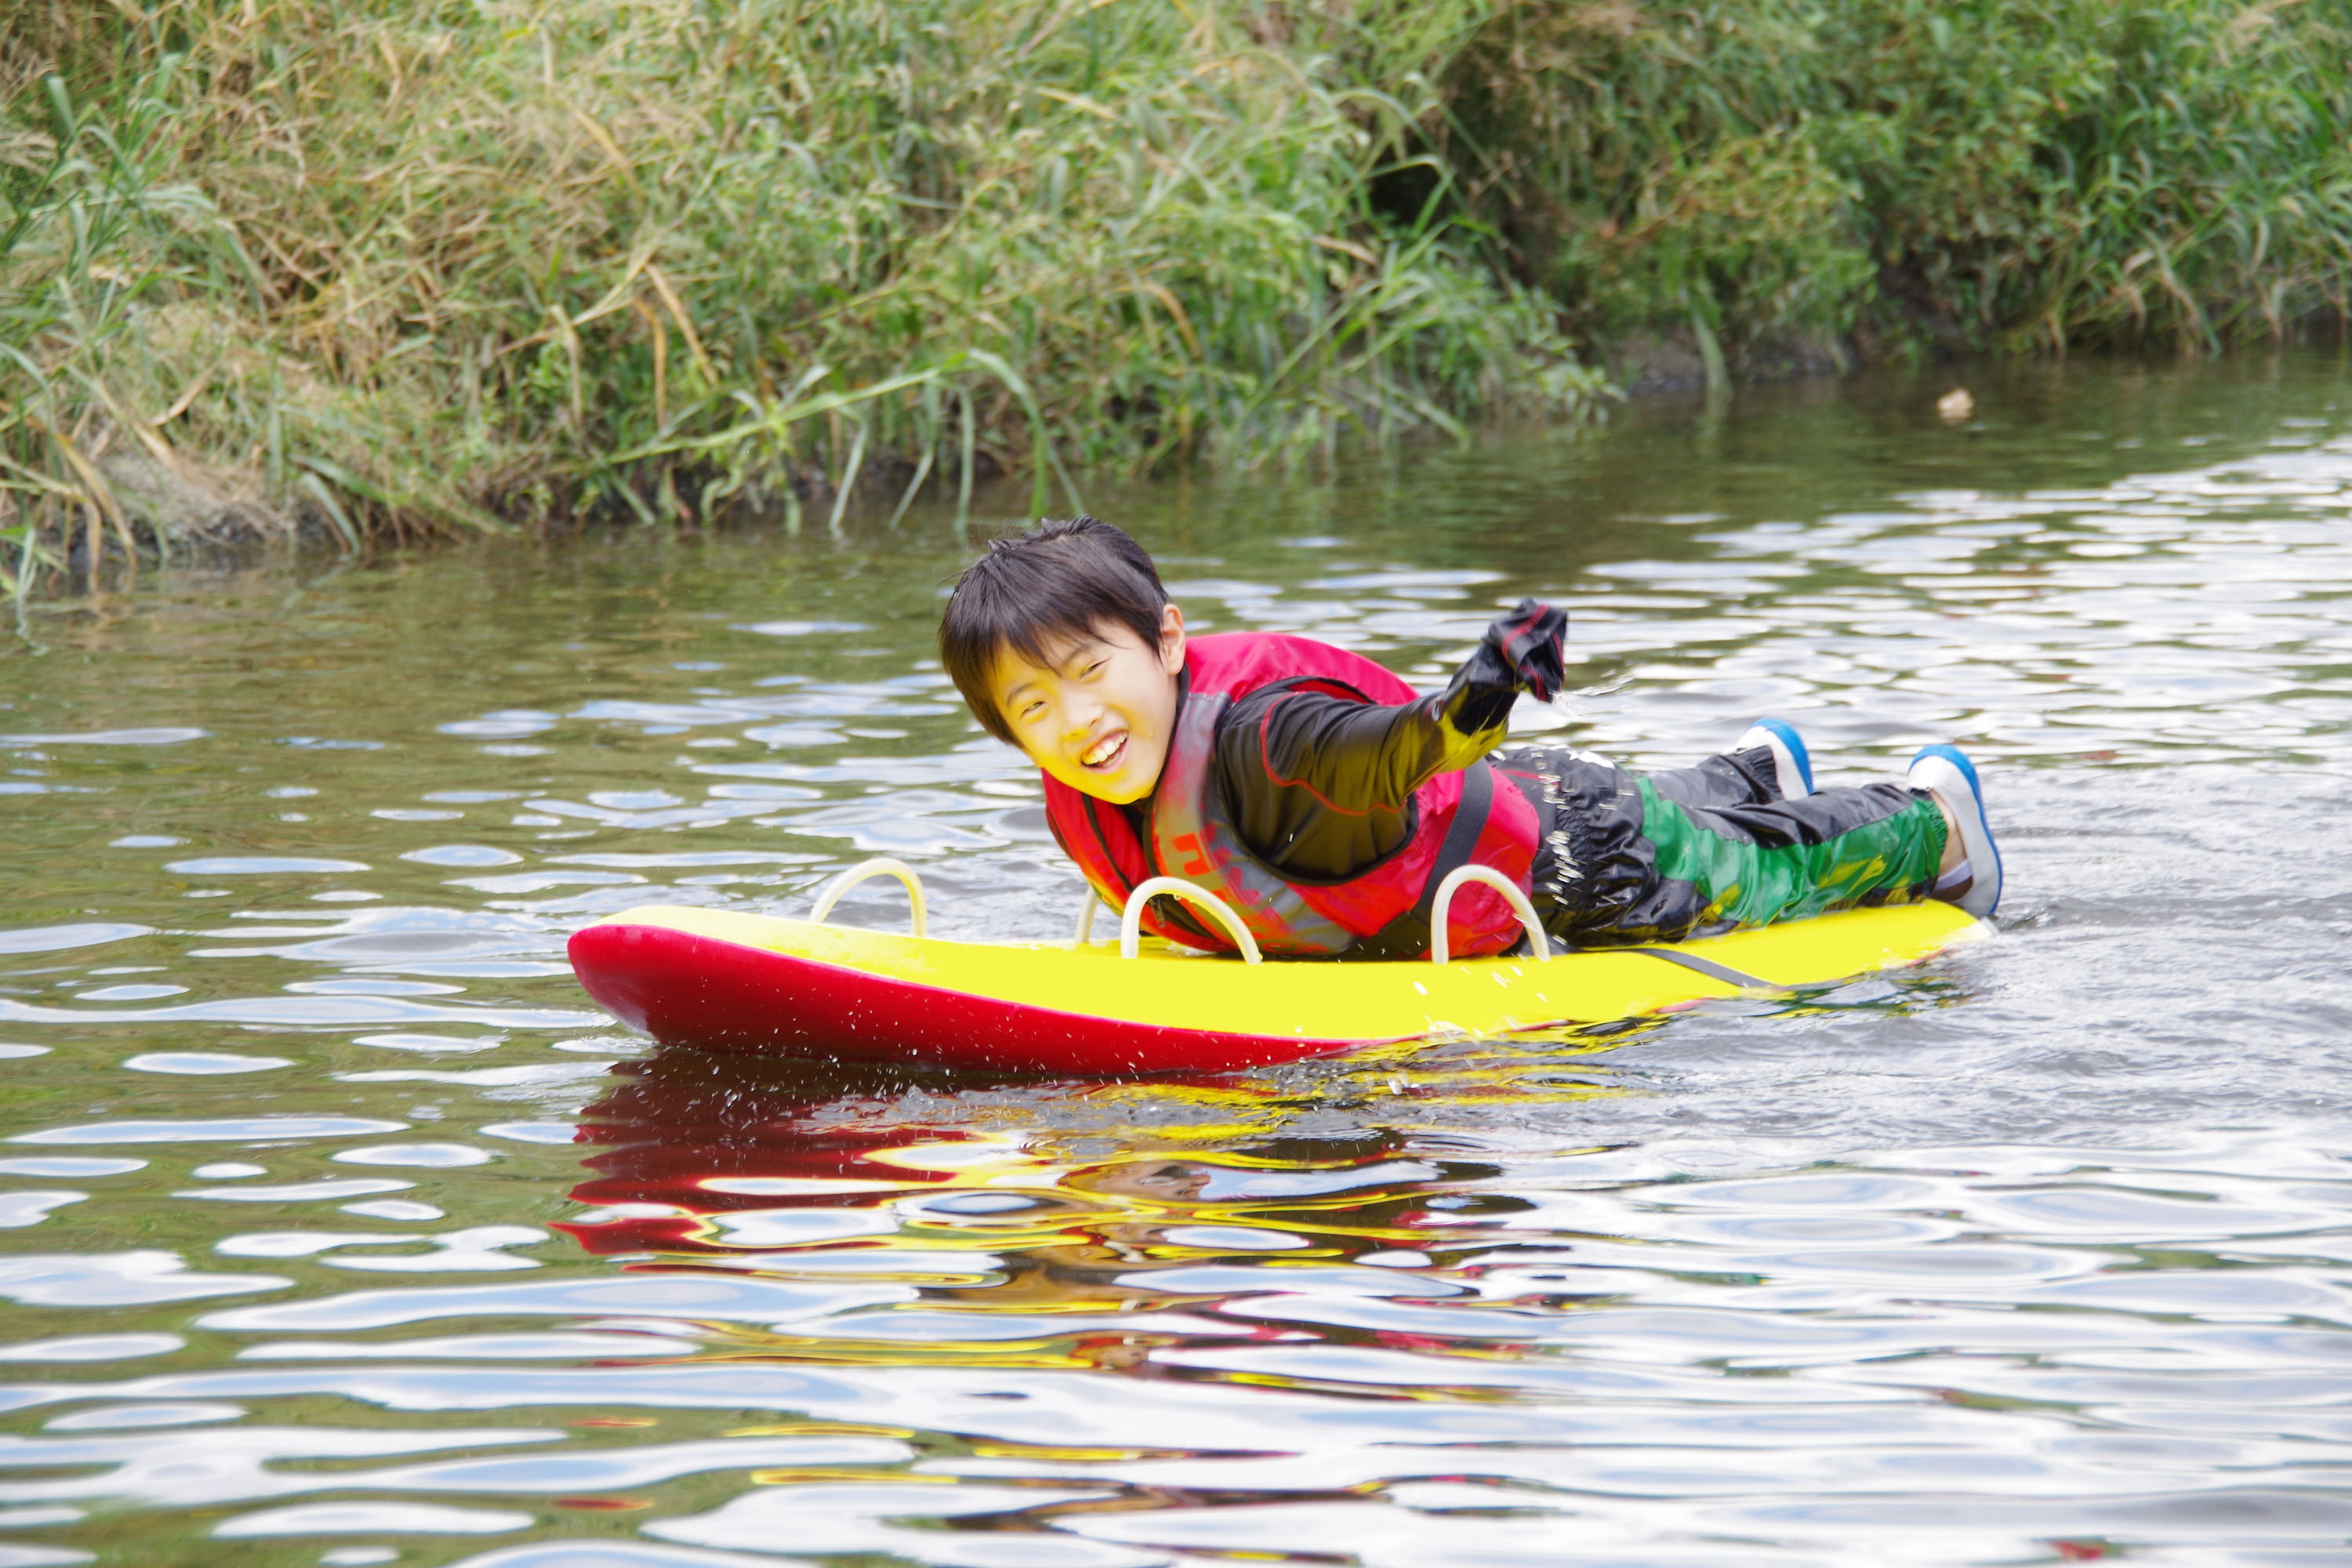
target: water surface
341 1229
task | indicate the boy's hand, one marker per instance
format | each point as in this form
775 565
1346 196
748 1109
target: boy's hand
1530 642
1523 651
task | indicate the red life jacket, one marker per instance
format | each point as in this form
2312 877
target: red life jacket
1456 819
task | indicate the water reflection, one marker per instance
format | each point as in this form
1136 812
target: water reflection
1032 1254
341 1230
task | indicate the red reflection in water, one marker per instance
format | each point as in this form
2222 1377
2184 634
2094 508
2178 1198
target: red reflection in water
995 1180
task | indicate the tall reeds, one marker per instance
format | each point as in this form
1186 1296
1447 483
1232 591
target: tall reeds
400 266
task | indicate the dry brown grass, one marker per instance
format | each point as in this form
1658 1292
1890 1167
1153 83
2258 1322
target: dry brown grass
394 267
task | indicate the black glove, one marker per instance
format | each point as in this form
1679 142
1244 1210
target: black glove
1531 645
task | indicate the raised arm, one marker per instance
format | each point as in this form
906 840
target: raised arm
1284 753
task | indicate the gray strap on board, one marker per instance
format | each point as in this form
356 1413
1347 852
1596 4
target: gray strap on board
1708 967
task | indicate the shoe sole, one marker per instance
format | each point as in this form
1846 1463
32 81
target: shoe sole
1790 757
1956 780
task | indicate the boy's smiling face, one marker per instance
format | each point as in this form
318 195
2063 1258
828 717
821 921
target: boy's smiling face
1097 714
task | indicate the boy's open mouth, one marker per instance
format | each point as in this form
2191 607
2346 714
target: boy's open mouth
1104 755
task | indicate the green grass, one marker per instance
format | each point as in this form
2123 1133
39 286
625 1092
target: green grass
390 267
1968 174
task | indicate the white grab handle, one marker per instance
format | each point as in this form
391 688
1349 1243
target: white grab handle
1456 881
863 871
1130 923
1085 931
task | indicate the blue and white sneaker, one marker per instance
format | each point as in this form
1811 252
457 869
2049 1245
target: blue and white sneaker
1975 883
1792 766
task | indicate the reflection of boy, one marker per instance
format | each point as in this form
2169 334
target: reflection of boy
1323 800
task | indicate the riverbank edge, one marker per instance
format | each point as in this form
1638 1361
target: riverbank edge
192 517
184 512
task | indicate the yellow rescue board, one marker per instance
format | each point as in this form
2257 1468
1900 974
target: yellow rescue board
730 980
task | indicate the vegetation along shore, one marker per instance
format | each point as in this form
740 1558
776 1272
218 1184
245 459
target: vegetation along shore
414 267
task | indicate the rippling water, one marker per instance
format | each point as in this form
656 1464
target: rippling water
342 1230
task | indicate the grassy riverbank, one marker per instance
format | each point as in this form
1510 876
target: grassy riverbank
410 266
422 264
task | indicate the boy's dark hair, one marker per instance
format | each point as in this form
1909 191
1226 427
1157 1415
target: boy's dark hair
1058 582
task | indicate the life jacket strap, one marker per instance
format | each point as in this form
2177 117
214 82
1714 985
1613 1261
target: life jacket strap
1408 935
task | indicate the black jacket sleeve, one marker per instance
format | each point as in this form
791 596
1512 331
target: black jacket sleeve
1317 785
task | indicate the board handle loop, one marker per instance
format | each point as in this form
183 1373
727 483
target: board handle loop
867 869
1086 932
1454 882
1130 925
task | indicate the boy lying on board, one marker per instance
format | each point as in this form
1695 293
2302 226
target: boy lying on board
1324 800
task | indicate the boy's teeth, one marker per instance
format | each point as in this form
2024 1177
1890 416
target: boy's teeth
1100 749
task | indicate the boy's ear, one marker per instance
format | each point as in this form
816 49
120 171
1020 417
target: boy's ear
1172 640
